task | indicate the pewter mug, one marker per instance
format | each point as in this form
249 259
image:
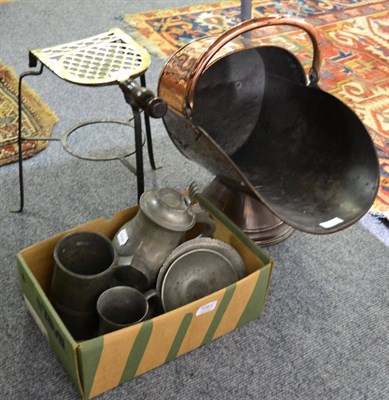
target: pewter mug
122 306
158 228
84 266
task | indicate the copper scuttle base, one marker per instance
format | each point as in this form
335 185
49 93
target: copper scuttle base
248 213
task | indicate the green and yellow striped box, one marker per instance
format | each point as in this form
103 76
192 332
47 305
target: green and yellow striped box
102 363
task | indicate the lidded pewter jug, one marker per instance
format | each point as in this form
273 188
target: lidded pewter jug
157 228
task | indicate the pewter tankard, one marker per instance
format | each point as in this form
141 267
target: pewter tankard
84 265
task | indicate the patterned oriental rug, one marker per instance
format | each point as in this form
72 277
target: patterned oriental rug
37 118
355 52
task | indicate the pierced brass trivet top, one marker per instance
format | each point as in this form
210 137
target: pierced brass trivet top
102 59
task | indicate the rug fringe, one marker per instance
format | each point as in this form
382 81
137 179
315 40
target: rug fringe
148 45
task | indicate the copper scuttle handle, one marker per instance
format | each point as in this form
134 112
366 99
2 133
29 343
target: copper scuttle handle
242 28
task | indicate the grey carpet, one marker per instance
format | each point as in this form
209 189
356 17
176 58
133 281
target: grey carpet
324 330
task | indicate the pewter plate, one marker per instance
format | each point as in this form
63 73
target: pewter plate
197 268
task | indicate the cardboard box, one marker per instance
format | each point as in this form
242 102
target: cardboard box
102 363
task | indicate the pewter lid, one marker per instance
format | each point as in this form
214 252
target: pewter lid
167 208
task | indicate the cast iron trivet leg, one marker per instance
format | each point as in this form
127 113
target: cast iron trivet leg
20 151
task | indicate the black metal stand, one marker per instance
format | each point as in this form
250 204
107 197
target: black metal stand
136 110
20 150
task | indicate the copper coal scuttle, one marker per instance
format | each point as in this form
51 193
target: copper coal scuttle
285 153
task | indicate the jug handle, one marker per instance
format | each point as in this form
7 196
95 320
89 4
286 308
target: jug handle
202 217
247 26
